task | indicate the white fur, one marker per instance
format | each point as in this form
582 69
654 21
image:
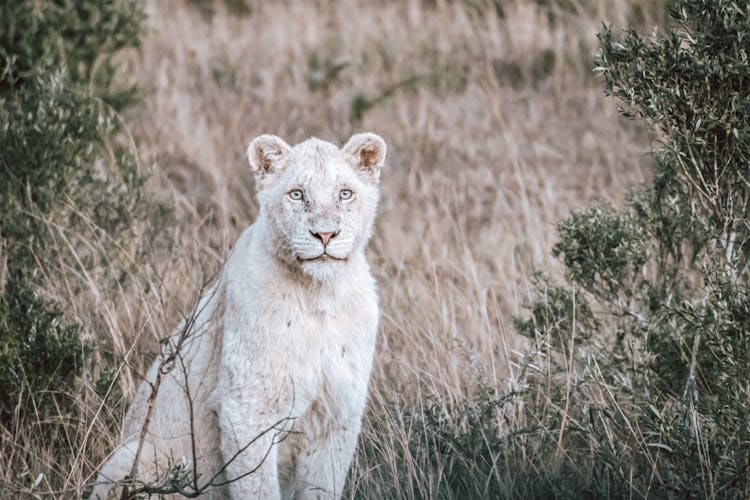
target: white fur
285 338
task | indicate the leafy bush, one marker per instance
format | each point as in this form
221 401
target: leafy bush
60 167
80 37
37 353
54 137
667 278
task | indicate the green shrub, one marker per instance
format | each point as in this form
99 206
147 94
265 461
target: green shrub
80 37
603 251
40 356
54 138
667 278
60 167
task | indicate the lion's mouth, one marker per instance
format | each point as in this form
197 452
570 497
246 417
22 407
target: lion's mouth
324 257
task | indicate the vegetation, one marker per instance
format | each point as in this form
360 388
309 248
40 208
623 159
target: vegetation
619 371
643 350
80 39
63 179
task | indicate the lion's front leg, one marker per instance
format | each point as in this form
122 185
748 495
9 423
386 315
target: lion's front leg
323 463
249 449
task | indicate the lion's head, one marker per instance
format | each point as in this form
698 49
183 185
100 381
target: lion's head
319 200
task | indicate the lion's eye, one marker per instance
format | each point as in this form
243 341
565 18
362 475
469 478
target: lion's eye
295 194
346 194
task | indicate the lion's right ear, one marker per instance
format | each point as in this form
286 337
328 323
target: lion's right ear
266 154
366 153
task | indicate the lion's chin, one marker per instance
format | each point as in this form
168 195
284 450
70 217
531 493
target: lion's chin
324 267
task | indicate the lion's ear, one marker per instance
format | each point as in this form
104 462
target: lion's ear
366 153
266 154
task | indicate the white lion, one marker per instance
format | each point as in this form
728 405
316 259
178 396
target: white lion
261 391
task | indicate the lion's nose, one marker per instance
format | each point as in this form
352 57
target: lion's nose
324 237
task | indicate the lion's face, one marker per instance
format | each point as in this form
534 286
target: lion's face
320 200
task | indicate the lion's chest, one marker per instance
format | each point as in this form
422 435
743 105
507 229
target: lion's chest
330 349
306 353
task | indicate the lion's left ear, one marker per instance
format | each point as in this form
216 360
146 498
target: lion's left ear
366 153
266 154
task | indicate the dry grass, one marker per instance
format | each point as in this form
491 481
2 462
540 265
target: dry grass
496 128
479 171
